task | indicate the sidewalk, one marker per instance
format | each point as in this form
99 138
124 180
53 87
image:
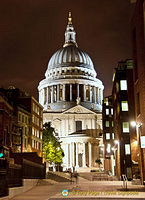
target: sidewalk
84 188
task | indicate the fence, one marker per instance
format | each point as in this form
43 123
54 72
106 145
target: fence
33 170
14 175
11 175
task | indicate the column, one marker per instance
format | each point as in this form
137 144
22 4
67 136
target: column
57 92
101 95
78 90
77 165
90 154
73 154
94 94
70 154
51 94
84 93
47 96
63 93
43 92
70 92
84 155
90 93
97 95
67 156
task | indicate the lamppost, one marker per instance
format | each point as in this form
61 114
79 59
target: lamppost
114 149
141 145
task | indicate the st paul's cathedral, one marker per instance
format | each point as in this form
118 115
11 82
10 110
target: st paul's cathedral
72 99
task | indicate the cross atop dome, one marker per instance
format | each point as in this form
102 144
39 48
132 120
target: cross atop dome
70 34
69 18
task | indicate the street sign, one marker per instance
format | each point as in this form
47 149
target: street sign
142 141
1 155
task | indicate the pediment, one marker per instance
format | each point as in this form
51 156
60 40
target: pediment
78 110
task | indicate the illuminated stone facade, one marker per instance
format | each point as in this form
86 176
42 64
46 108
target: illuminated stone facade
72 99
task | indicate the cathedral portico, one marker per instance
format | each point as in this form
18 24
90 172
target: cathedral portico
79 151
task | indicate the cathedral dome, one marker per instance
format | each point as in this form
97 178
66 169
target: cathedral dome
70 55
70 78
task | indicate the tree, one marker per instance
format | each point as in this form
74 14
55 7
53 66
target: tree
52 151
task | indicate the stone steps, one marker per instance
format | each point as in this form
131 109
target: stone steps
97 176
58 177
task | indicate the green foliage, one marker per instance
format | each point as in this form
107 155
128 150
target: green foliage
52 151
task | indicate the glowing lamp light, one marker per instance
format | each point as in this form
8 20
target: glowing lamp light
133 123
116 142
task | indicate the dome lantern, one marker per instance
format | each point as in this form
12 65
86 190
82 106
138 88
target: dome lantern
70 34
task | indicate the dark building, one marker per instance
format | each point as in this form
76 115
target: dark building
138 44
108 135
25 129
36 125
6 115
123 103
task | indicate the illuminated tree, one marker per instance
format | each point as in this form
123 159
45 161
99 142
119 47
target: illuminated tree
52 151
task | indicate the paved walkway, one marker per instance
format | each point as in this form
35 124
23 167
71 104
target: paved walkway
84 188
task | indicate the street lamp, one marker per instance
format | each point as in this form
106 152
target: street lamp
141 143
114 156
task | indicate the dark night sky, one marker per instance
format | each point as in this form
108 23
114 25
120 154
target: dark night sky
32 30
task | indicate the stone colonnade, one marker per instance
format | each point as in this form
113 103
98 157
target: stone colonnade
70 92
78 154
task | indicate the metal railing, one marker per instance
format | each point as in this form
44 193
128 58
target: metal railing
124 178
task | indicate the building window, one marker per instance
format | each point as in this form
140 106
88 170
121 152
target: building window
107 136
123 85
127 149
106 101
32 131
112 136
111 111
138 103
25 130
107 123
25 143
37 133
41 135
125 126
19 117
124 105
22 118
78 125
32 143
112 124
108 148
107 111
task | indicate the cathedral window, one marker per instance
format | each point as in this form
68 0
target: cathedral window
78 125
87 93
60 92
